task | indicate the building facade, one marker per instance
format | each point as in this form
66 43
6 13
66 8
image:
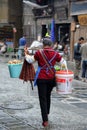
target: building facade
69 15
18 18
78 12
11 22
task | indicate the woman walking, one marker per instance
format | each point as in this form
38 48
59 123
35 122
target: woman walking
45 75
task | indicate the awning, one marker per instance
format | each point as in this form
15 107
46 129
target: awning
78 8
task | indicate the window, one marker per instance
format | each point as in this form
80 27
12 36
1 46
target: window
43 12
42 2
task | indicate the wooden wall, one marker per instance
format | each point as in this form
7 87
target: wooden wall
75 35
81 32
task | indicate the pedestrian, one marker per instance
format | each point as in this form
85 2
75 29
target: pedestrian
3 48
22 43
77 58
64 41
57 46
67 51
45 75
83 51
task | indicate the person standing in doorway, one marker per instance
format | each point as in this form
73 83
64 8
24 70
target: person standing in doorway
77 58
22 43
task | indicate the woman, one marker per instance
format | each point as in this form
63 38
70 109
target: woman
45 77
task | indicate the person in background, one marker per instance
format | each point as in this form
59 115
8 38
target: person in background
64 41
57 46
83 51
3 48
45 75
77 58
22 43
67 51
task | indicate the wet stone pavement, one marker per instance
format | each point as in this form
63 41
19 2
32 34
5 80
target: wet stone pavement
19 105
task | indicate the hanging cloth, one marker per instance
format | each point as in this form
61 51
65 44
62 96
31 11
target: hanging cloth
27 72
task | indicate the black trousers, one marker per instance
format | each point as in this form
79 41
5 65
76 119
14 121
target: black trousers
84 68
44 91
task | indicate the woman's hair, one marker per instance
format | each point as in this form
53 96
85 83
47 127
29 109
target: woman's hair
47 41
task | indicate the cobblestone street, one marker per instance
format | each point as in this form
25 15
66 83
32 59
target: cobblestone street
19 105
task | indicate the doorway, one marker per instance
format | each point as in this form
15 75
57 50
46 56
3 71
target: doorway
44 30
62 33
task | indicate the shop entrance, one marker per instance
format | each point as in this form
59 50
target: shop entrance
7 36
63 33
44 30
63 38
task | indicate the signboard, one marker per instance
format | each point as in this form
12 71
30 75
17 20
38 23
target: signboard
82 19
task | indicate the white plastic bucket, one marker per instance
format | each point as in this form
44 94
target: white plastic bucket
64 81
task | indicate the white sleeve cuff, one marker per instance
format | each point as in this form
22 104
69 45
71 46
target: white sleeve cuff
29 59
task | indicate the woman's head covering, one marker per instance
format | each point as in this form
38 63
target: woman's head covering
47 41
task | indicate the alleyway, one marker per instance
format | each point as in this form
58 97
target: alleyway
19 105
